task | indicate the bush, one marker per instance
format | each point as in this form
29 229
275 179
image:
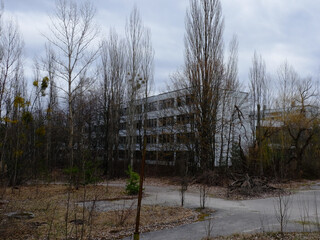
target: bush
132 187
90 171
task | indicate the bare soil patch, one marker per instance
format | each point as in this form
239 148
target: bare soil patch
59 213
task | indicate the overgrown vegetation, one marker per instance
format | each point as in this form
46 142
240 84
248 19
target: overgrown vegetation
89 124
274 136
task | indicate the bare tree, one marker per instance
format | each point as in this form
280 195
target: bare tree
146 82
139 82
147 70
113 77
72 34
231 86
203 195
11 45
36 139
258 86
282 210
11 82
204 71
208 227
147 67
286 79
134 34
50 71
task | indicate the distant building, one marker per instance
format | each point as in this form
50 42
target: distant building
276 122
171 130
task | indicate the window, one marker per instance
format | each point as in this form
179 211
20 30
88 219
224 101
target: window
161 138
166 121
151 155
122 140
152 123
138 124
189 99
122 154
180 101
123 111
122 125
185 137
185 118
182 119
166 156
138 155
139 139
152 106
162 122
166 138
139 109
181 138
190 137
181 156
151 139
191 118
170 121
185 155
167 103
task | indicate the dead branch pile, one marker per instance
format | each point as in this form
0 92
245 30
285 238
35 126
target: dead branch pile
248 186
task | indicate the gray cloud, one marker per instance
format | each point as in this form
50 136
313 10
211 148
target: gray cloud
279 30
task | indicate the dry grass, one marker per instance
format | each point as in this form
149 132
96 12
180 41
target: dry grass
153 181
153 217
51 203
296 184
271 236
223 193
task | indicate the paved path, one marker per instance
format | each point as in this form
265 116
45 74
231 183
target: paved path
230 216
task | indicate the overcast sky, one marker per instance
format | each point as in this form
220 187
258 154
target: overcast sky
278 29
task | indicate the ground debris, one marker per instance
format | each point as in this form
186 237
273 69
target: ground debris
20 215
250 186
77 221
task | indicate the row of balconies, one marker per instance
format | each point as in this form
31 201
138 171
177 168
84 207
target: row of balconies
161 157
165 138
158 105
181 119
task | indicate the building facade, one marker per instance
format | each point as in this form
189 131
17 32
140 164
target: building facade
169 121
